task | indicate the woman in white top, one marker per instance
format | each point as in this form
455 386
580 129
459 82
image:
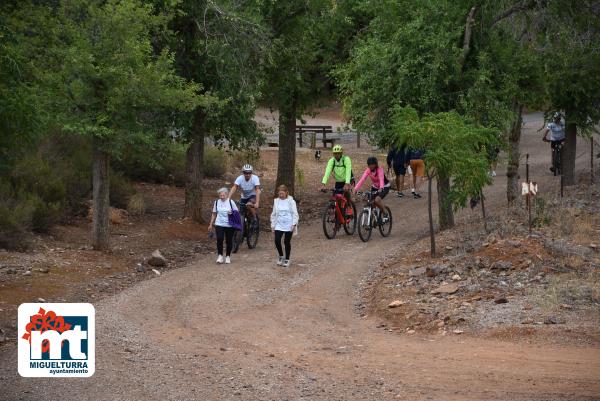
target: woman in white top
284 220
222 208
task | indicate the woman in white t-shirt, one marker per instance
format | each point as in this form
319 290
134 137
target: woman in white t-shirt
284 220
222 208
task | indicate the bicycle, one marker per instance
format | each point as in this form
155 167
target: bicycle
335 215
556 157
370 217
250 230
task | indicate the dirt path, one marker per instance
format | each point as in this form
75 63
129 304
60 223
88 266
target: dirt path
251 331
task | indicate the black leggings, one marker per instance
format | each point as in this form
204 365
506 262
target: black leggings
287 242
227 234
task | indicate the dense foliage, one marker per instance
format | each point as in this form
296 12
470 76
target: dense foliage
144 85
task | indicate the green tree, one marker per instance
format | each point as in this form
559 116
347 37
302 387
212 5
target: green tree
455 148
219 46
295 71
105 80
412 56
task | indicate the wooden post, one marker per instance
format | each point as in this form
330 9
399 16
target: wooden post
528 196
313 140
483 211
300 137
358 139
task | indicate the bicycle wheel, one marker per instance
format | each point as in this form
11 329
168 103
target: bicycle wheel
350 226
364 226
385 224
330 223
253 233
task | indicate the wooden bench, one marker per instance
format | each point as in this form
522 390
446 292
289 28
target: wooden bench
314 130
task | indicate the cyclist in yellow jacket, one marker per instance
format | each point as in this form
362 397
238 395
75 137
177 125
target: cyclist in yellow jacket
341 167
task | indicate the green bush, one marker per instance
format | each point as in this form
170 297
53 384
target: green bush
163 163
215 162
34 175
120 190
15 224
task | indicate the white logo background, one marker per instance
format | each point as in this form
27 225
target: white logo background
26 311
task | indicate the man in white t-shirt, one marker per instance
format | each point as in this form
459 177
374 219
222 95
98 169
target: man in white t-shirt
250 187
556 129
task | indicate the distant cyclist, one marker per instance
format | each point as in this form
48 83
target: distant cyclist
556 129
379 182
250 186
341 166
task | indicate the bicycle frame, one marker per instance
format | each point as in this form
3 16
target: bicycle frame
340 203
368 196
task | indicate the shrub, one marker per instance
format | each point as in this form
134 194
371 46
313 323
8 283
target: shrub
162 163
136 205
43 214
215 162
14 230
120 190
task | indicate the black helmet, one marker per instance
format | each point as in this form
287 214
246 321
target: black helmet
372 160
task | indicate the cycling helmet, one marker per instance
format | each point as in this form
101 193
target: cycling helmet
247 168
337 149
372 160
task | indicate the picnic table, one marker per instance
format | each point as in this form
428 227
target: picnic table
314 130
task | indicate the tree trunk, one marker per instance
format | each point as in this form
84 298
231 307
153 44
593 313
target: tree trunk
444 206
430 211
569 154
512 170
195 170
286 163
101 205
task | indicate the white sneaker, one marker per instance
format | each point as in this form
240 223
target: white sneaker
220 259
227 260
493 173
286 263
280 261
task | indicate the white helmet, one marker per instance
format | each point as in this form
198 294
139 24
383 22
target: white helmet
247 168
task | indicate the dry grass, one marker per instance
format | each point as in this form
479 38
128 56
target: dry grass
136 206
569 288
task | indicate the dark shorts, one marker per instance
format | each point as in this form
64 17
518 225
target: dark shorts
382 192
251 199
555 144
400 169
339 187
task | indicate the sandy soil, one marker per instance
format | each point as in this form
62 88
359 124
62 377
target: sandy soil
253 331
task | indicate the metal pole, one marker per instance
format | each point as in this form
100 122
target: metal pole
562 185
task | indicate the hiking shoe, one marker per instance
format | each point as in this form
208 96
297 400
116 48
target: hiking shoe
220 259
227 260
399 194
416 195
552 169
286 263
280 261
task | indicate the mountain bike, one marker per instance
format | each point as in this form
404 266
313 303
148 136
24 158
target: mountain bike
370 217
338 213
250 230
557 158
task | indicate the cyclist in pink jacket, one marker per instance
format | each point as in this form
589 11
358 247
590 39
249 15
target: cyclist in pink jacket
379 182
